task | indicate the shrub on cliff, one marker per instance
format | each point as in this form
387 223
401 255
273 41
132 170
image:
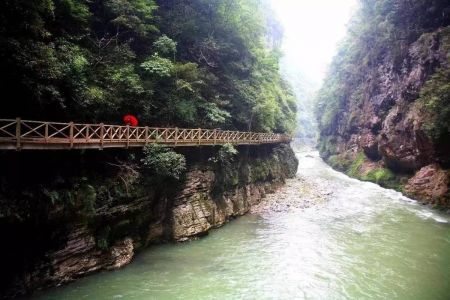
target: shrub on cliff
338 162
163 161
227 172
227 153
354 168
435 95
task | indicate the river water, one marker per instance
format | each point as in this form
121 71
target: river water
364 242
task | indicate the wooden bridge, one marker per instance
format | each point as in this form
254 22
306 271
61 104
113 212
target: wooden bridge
17 134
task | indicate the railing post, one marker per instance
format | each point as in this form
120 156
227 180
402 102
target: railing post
128 136
215 136
102 133
199 136
146 135
18 123
46 132
176 135
87 133
71 134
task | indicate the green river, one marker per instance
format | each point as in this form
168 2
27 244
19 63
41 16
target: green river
365 242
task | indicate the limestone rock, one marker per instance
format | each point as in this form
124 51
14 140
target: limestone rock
430 184
121 254
385 116
368 142
208 197
80 256
403 145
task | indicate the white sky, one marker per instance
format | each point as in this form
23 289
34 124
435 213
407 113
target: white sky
312 31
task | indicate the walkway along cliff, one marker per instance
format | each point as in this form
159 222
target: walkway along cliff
65 215
21 134
68 210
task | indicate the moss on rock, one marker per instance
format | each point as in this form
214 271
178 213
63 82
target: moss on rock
354 168
381 176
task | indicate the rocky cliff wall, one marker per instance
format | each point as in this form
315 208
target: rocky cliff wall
55 235
388 130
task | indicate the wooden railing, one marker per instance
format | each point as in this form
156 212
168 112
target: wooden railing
19 134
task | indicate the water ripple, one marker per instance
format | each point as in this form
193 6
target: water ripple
365 243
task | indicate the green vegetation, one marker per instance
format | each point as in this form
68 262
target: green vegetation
380 33
338 163
354 168
195 63
435 95
224 162
225 155
396 54
162 161
381 176
81 194
261 170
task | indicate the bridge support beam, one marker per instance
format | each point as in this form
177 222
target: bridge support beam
18 133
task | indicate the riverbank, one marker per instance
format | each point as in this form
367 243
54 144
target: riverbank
361 242
297 194
59 226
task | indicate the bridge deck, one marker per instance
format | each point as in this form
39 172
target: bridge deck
17 134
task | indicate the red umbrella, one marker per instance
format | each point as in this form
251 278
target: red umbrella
130 120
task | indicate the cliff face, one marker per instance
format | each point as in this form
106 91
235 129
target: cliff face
388 124
47 242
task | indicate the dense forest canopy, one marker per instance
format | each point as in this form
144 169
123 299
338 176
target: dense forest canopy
198 63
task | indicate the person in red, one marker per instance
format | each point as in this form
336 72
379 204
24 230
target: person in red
130 120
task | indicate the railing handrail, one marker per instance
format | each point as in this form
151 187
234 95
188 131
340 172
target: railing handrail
34 134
